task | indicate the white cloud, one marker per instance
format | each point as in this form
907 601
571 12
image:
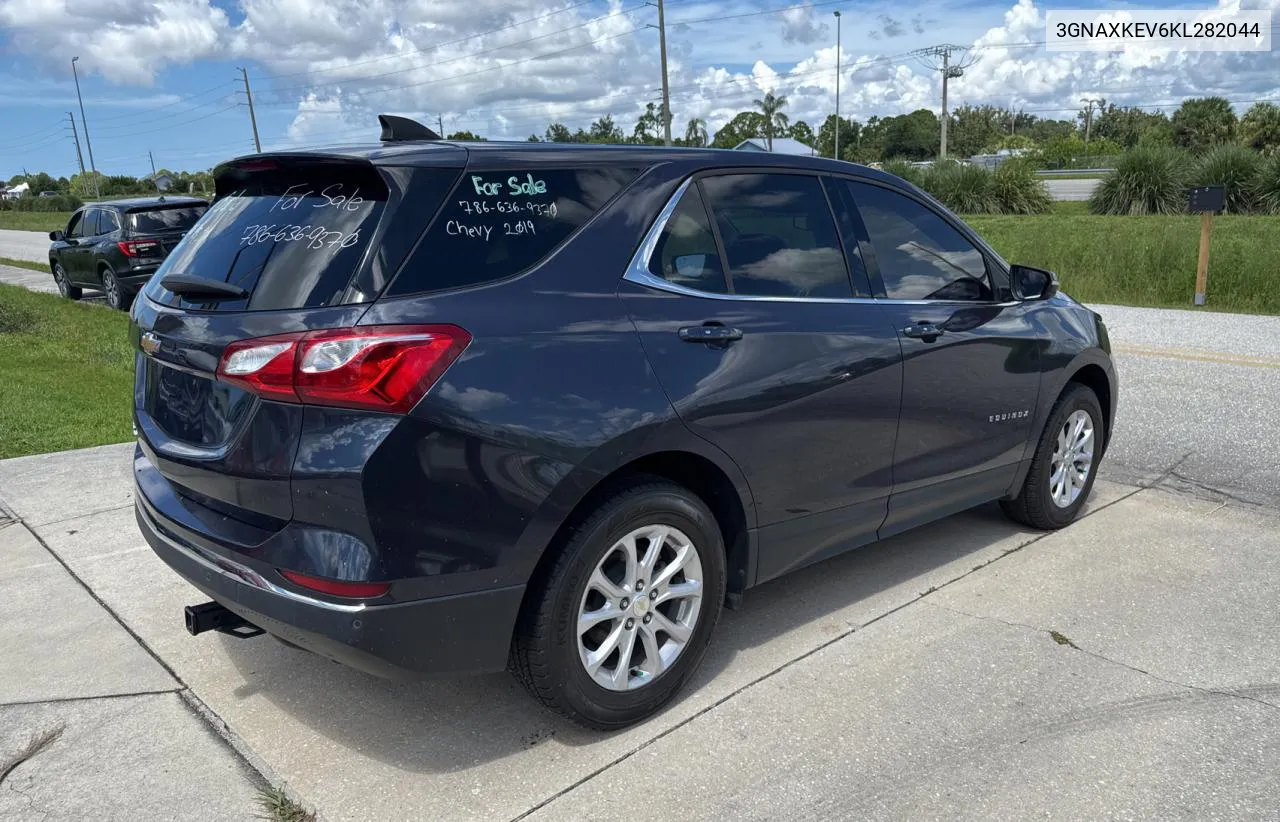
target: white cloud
800 25
126 41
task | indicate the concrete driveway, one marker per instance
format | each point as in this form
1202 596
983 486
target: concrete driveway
32 246
1126 667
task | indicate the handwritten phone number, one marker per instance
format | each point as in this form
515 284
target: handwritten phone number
317 237
508 207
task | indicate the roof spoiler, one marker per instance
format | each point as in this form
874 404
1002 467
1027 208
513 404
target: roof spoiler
399 129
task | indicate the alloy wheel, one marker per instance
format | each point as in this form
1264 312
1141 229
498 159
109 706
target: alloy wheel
60 279
640 607
112 288
1072 459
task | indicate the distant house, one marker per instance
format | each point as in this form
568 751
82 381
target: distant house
162 182
17 191
781 145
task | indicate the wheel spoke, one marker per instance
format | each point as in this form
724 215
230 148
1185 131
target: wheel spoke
683 553
1085 441
628 546
653 664
606 586
657 537
622 673
597 657
591 619
680 590
676 631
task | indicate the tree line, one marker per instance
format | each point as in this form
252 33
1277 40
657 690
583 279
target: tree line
1197 124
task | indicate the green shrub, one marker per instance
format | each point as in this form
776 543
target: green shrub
30 202
1266 185
1019 190
1146 180
903 169
1233 167
964 189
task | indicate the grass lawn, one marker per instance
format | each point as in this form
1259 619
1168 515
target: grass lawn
68 374
24 264
1145 261
34 220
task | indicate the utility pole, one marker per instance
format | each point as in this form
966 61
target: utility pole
75 135
440 123
938 58
1088 118
89 145
666 97
154 181
837 152
253 120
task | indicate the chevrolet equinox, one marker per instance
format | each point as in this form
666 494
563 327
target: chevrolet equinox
429 407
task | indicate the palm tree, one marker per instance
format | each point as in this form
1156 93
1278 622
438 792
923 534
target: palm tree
695 134
774 120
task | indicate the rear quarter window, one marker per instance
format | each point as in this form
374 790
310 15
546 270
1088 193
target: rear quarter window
497 224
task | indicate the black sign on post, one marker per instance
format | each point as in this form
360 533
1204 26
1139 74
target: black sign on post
1207 200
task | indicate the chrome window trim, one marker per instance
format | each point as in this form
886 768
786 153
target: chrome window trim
639 274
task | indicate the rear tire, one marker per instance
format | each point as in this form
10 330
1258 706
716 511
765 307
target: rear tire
1065 463
581 672
117 296
65 288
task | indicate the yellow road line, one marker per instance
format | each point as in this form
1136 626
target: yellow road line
1193 355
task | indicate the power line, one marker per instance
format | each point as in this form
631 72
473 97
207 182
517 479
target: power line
148 110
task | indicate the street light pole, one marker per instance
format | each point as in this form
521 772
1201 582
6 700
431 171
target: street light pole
837 152
96 191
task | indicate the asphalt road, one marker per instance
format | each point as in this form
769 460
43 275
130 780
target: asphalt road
24 245
1199 398
1070 190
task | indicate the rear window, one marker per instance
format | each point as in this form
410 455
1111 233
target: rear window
164 218
291 234
496 224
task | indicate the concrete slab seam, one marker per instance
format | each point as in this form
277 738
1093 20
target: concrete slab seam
64 699
1067 641
260 773
92 513
212 721
811 652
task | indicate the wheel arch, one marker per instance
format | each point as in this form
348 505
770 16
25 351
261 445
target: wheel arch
695 465
1094 377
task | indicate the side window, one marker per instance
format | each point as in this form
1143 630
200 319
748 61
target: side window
107 221
921 257
779 236
75 228
496 224
686 253
91 222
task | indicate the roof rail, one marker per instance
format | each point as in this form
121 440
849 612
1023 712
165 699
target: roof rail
398 129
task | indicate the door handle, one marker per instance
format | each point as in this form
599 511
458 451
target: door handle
709 333
922 331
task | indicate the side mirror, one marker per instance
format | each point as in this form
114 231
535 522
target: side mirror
1032 283
56 235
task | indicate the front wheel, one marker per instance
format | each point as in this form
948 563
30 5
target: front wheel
65 288
1065 463
626 614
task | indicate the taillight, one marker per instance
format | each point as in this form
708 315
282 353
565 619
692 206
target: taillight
139 248
335 587
378 368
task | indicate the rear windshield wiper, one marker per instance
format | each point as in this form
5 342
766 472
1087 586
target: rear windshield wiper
186 285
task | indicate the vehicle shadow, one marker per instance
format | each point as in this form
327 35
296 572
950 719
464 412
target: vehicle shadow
449 725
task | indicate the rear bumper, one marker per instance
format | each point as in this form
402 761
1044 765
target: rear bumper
136 277
466 633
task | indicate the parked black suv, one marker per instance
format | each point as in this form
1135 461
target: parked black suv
435 407
116 246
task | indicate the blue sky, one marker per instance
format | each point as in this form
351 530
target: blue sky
162 75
